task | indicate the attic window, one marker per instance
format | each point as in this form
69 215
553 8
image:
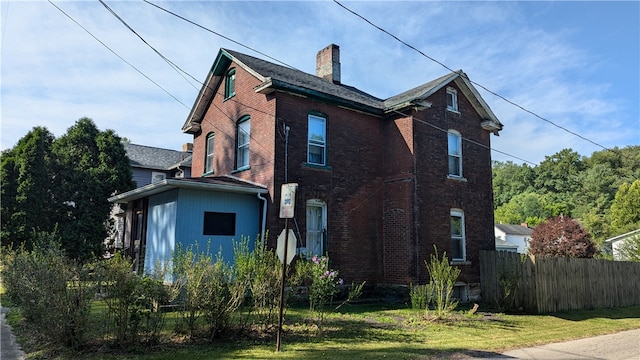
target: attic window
452 99
230 84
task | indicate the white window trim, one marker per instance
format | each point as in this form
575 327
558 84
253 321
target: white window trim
209 155
459 136
454 94
322 144
244 146
323 205
459 213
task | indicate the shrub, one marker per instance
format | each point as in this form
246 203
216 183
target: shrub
442 278
561 236
321 282
53 292
260 271
133 302
420 296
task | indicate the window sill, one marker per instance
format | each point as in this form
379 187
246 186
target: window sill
458 178
244 168
459 262
228 97
453 111
317 166
207 174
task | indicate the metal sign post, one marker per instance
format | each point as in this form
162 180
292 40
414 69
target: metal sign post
287 207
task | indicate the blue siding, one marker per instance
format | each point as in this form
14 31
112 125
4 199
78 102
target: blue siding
161 229
192 205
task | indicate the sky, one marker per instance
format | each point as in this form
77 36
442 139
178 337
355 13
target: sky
571 67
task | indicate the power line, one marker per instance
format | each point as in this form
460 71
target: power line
473 82
116 54
279 61
218 34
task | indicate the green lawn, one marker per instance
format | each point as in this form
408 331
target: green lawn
378 331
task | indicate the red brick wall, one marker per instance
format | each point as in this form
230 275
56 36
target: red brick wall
385 186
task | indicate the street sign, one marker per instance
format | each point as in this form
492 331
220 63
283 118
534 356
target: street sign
291 247
288 200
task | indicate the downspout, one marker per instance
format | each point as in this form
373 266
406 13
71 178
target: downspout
264 218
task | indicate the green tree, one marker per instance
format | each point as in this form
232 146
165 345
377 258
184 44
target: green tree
90 166
625 211
557 174
509 180
25 176
529 207
561 236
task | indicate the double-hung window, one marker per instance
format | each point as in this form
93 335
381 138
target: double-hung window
458 247
317 141
243 137
316 227
230 84
208 162
452 99
454 140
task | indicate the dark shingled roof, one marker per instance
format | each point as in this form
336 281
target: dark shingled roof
514 229
156 158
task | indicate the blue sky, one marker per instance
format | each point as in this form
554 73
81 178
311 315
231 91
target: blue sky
576 64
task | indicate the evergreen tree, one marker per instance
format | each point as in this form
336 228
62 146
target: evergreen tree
26 188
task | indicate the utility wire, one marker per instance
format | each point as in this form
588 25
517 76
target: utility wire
218 34
281 62
473 82
116 54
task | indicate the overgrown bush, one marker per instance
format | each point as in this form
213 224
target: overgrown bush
442 279
261 272
508 285
420 296
204 289
133 302
321 281
53 292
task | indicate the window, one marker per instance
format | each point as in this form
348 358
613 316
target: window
455 153
230 84
219 223
157 176
316 227
208 162
452 99
244 135
458 251
316 146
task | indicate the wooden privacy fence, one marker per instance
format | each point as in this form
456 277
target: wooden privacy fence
545 284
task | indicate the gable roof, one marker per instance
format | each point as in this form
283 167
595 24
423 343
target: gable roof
624 236
149 157
503 244
276 77
514 229
225 183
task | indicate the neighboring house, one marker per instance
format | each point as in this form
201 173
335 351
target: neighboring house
618 241
150 164
381 181
502 245
518 235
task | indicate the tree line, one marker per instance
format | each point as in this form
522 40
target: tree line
601 191
60 186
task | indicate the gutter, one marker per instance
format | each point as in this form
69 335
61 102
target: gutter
264 218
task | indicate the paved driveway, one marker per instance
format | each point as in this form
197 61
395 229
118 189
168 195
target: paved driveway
620 346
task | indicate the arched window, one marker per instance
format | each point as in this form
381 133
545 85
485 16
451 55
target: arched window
458 242
230 84
455 153
208 161
316 227
243 137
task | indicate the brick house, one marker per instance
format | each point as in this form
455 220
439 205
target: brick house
381 181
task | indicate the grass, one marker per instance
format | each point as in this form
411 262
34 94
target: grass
372 331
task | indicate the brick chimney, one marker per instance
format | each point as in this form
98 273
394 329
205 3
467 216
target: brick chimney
328 64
